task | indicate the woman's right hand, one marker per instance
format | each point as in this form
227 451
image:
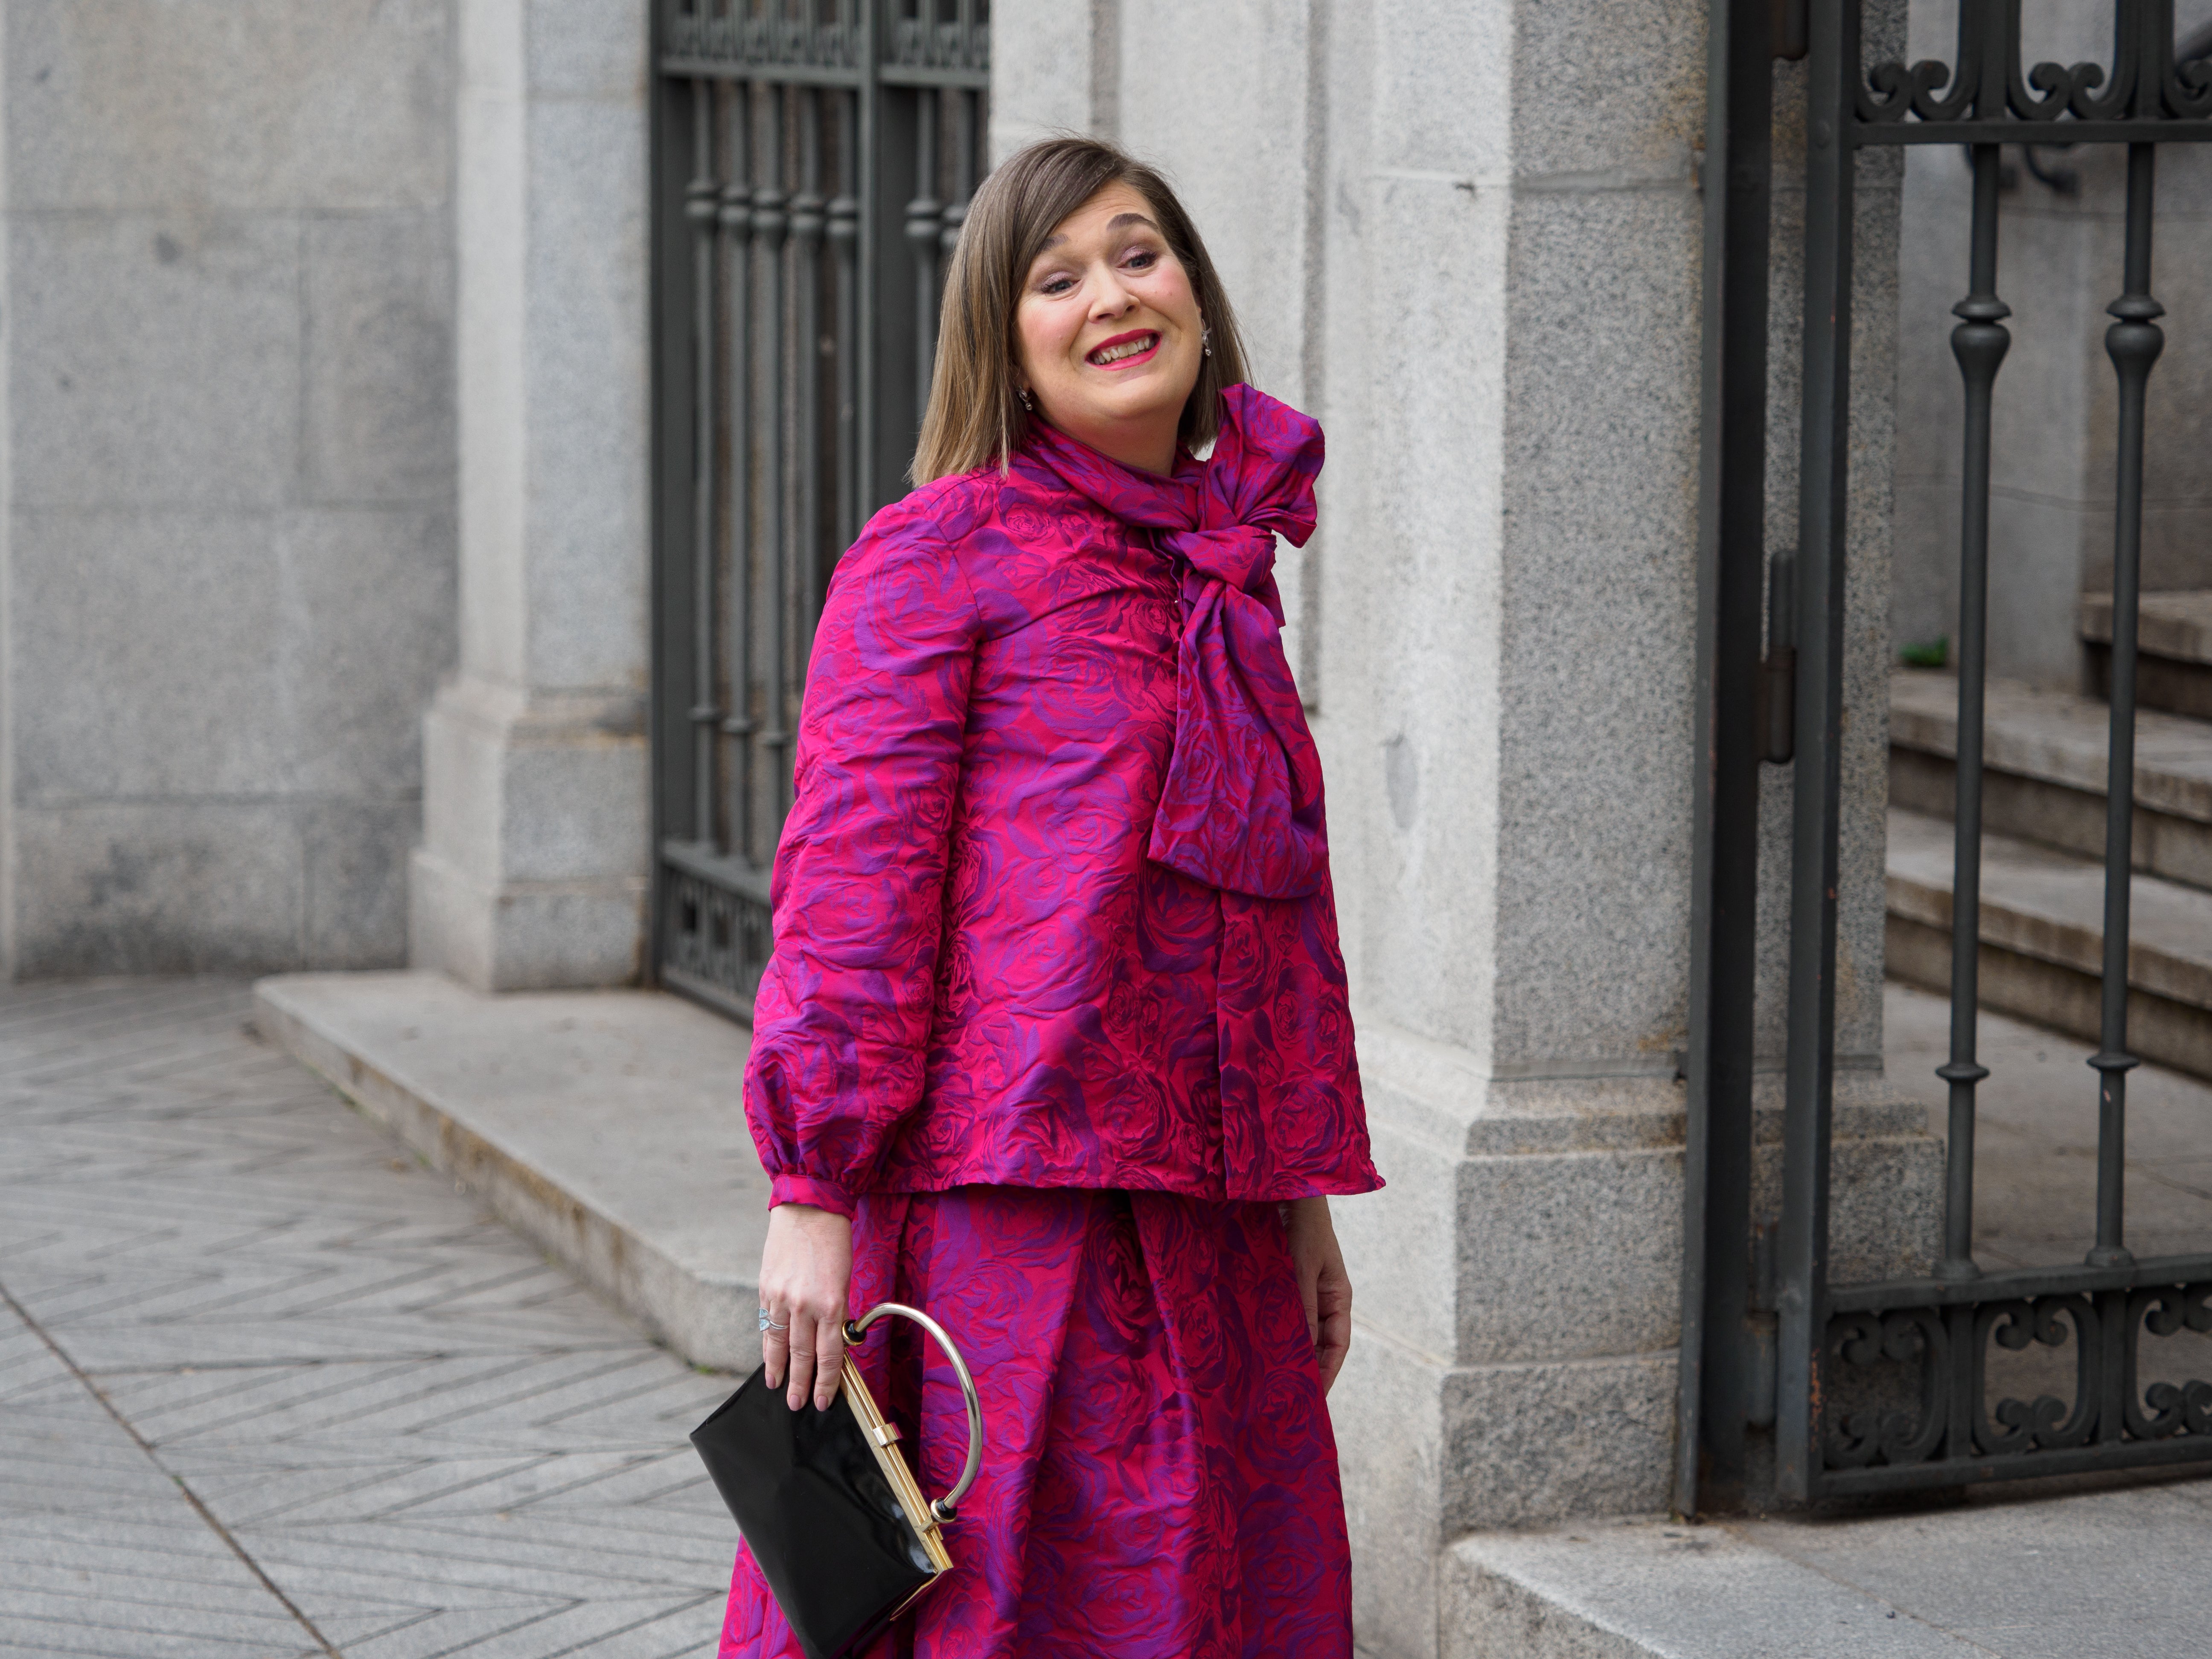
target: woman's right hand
807 1273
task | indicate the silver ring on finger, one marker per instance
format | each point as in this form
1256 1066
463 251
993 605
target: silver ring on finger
769 1324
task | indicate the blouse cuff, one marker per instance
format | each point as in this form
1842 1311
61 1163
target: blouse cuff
805 1189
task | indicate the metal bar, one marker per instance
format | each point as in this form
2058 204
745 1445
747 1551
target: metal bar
1979 343
692 65
1831 73
672 414
807 224
963 168
2020 1284
924 225
2133 342
907 75
1715 1399
1957 1472
1865 135
770 223
844 238
702 201
739 726
738 876
869 171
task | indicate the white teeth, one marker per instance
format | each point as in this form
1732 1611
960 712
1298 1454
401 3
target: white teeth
1126 349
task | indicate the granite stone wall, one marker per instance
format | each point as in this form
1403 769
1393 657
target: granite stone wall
227 506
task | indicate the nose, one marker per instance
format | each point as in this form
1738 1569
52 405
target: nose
1111 298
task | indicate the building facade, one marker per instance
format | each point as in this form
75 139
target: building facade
334 445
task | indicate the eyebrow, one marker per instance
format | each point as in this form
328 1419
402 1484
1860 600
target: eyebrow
1113 223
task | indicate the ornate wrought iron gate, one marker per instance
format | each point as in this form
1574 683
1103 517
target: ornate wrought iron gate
1936 1426
813 160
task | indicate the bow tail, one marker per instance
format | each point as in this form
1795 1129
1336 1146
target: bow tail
1240 807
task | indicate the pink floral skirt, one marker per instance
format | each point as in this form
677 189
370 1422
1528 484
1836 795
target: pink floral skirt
1160 1479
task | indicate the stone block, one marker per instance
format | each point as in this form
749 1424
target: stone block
354 856
1442 93
586 501
150 664
247 106
1525 1444
157 360
575 806
539 936
1404 1279
1569 1256
157 887
464 794
1430 1450
377 405
586 48
535 865
1617 91
549 791
1598 607
1050 62
1386 1407
1231 130
1885 1204
365 628
1415 634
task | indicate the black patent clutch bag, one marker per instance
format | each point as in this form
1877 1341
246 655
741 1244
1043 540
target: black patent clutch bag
831 1513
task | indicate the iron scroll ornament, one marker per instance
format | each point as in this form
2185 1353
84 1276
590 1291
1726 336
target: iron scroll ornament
2147 80
2111 1407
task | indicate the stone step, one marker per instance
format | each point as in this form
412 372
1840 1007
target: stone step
1658 1589
2173 650
1998 1575
2042 946
2043 770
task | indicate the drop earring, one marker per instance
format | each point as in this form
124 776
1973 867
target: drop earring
1206 341
1022 392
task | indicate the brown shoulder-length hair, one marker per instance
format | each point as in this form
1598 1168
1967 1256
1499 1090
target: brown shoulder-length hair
976 416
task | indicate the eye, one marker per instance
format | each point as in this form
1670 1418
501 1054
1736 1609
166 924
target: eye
1056 285
1144 258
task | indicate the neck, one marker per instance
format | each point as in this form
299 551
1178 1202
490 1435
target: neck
1147 446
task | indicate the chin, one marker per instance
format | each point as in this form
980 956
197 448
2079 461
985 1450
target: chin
1144 402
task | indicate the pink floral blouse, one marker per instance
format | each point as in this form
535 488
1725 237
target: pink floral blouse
1052 907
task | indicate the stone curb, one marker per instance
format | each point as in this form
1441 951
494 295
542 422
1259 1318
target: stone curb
1656 1589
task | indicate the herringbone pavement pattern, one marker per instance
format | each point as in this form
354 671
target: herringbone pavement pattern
267 1387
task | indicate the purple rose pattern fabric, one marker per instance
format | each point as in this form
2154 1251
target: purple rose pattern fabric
1159 1479
1052 907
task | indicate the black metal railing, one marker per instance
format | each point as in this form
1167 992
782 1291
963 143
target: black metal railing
1915 1355
813 160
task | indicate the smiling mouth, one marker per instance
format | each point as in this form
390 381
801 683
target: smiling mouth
1122 350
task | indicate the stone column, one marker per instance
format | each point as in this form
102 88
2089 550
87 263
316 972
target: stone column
1054 68
1469 238
535 861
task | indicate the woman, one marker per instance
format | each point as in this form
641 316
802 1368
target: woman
1054 1042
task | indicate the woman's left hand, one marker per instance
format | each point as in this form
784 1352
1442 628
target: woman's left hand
1323 1285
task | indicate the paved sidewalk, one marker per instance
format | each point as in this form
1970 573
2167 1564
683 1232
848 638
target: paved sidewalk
268 1388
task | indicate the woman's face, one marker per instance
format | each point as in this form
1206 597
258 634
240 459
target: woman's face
1110 336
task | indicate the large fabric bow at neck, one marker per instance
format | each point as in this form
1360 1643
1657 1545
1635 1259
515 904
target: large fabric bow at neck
1241 808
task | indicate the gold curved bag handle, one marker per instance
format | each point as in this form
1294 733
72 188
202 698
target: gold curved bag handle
947 1507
